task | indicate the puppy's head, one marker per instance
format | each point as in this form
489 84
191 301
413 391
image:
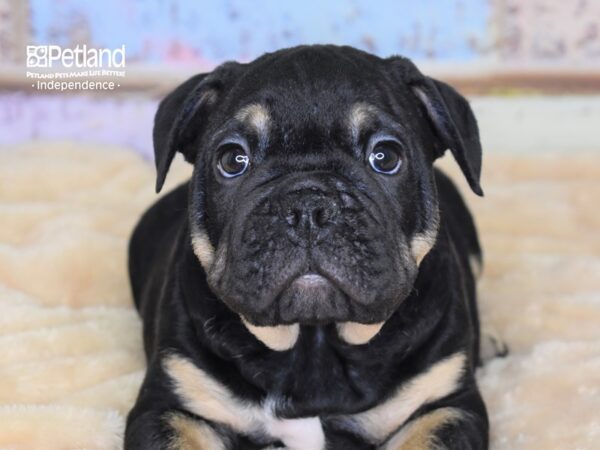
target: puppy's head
313 196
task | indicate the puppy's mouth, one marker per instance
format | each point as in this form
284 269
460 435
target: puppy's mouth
310 280
312 299
340 280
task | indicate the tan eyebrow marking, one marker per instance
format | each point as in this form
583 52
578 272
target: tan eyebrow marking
360 113
257 116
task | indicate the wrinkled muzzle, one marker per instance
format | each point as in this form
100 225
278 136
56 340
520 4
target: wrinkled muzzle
312 249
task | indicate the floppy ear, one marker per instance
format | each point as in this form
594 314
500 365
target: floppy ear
171 124
455 124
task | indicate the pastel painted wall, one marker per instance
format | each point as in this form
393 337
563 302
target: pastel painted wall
548 31
206 32
211 31
552 36
121 121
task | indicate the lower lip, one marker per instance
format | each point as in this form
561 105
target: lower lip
310 280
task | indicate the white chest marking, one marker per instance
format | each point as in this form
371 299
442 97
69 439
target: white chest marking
298 434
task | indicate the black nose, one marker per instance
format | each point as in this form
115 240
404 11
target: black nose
309 212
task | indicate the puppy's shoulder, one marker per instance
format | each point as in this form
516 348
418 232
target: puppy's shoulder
170 206
154 233
456 216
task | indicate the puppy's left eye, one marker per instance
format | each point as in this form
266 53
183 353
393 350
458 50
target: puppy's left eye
233 160
386 158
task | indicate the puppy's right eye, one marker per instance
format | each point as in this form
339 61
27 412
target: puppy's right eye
386 158
233 160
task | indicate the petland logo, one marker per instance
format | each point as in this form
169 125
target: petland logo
45 56
79 62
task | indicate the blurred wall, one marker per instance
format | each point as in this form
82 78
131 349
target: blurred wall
211 31
171 33
489 47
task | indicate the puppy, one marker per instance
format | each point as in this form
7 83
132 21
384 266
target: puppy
311 287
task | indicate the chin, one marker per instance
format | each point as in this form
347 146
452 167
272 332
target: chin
313 299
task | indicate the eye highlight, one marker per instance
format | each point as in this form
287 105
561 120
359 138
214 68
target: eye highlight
386 157
233 160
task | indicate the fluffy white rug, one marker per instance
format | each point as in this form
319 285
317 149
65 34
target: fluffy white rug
70 342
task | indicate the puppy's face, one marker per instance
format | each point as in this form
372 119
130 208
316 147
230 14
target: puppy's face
314 191
312 199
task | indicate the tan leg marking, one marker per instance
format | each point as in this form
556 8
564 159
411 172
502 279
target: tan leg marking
358 333
440 380
278 338
421 244
203 249
420 433
204 396
192 434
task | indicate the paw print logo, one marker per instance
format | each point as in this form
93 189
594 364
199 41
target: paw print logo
37 56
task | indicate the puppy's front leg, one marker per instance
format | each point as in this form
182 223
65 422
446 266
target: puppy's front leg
154 430
457 424
157 422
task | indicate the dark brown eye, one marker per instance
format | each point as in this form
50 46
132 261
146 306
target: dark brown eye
386 158
233 160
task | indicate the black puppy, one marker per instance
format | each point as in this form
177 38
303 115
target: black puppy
311 286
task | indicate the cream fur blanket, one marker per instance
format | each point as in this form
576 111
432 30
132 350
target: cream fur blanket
71 357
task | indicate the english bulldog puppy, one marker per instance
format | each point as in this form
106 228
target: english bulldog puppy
311 286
